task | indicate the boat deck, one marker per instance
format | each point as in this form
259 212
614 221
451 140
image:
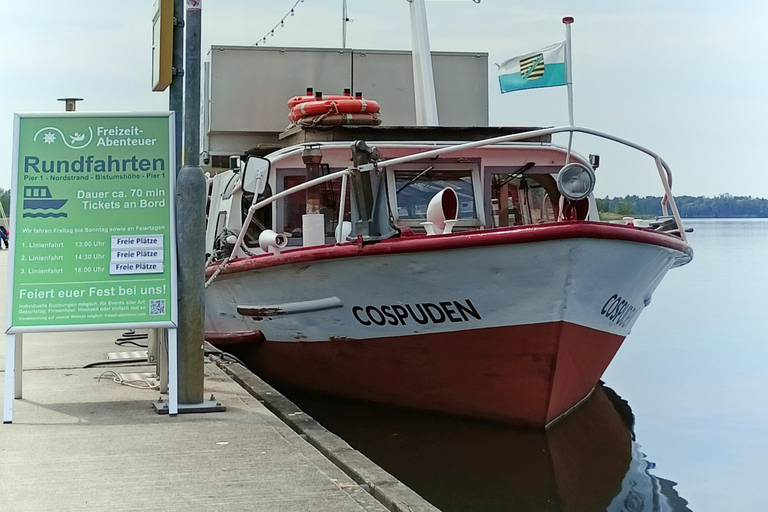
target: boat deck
79 443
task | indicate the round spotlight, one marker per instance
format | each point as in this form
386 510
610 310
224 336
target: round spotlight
575 181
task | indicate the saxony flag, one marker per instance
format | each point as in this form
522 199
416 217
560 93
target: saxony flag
542 68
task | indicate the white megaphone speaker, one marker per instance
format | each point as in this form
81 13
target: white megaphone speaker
442 212
269 241
342 231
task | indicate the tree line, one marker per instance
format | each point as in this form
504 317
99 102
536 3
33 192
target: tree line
721 206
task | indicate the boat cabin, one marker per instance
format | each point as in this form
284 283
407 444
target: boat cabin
498 186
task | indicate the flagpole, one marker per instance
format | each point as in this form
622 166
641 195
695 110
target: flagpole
569 81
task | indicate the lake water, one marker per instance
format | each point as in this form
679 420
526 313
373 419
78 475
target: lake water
681 426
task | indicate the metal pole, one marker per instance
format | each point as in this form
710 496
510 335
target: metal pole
190 225
70 104
569 82
344 21
568 74
10 376
176 92
423 77
175 104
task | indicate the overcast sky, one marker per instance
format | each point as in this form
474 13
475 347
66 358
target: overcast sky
685 78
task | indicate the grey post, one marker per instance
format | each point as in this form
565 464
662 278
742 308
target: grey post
190 224
176 92
176 105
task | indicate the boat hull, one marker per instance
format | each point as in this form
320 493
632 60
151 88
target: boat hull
518 330
523 375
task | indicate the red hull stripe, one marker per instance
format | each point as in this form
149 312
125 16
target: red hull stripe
473 239
524 375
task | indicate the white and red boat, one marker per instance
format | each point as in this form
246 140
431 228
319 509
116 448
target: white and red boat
470 276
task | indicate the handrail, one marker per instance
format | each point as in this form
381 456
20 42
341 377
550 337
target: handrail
663 168
269 200
342 200
293 190
664 173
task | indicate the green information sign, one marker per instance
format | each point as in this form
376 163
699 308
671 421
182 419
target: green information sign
93 233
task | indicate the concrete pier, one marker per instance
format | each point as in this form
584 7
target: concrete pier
80 441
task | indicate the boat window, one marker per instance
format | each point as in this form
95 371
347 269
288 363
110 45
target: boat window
292 208
416 187
522 200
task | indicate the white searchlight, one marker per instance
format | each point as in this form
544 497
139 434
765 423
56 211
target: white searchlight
575 181
442 212
269 241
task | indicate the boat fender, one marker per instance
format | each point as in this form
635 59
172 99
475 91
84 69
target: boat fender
269 241
442 212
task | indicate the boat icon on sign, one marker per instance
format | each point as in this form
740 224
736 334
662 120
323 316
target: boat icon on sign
39 198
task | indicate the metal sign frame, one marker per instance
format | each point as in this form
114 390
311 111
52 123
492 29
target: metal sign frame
93 230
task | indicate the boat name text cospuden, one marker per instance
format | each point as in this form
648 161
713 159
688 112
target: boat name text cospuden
618 310
423 313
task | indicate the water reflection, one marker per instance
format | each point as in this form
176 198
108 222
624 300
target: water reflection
588 461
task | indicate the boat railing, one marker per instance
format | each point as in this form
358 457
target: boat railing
663 169
343 175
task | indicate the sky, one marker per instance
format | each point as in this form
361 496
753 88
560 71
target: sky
685 79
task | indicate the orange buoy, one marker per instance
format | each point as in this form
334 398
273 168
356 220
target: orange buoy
370 119
304 99
347 105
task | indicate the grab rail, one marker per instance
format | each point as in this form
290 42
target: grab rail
664 172
271 199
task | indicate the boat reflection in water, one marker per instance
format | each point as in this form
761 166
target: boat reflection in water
588 461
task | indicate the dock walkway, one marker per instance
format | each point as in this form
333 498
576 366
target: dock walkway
78 442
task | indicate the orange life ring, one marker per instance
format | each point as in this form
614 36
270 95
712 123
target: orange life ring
340 119
343 106
310 97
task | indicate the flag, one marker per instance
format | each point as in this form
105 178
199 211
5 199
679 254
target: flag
542 68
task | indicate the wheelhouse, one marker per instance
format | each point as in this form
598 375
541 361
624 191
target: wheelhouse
510 181
506 185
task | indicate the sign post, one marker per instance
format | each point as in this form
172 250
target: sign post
93 235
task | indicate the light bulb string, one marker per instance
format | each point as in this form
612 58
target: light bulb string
279 24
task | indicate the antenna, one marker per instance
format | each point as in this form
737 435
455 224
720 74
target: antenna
344 21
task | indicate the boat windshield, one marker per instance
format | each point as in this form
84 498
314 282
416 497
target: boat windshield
291 209
415 188
510 198
519 201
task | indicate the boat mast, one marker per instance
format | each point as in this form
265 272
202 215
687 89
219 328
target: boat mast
423 77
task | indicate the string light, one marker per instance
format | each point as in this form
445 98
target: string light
292 12
280 24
